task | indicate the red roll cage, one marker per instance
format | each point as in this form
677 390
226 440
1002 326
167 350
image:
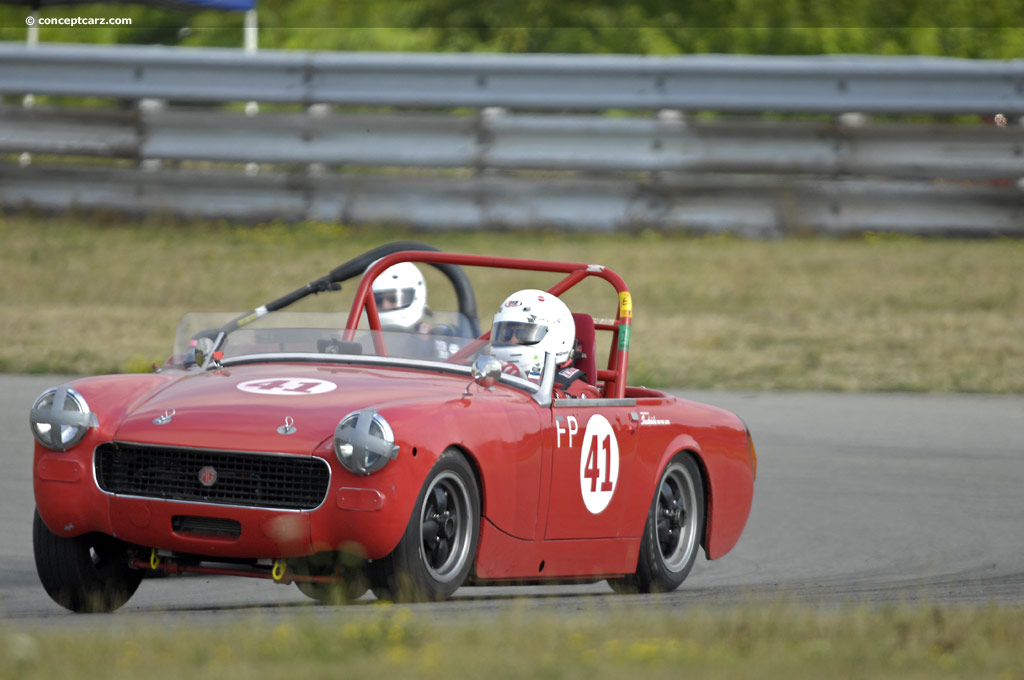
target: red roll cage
613 376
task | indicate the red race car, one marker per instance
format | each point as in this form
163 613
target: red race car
390 447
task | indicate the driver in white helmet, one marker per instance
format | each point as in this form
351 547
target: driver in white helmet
529 324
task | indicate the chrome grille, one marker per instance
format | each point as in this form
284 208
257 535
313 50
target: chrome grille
246 479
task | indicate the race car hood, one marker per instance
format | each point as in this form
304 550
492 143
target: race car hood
288 408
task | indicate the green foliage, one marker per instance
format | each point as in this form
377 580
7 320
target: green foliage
955 28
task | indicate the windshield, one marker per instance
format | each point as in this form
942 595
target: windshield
321 333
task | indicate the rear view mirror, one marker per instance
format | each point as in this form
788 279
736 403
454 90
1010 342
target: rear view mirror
486 371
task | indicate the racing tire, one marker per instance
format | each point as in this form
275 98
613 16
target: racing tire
437 551
673 532
353 584
85 574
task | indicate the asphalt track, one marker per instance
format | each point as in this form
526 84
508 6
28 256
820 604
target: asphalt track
860 499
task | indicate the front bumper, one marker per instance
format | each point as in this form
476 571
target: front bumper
362 515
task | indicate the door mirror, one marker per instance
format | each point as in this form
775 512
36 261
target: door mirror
486 371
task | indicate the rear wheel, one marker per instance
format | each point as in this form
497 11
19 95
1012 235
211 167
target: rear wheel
673 532
436 553
88 573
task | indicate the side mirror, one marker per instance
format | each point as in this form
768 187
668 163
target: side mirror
486 371
203 348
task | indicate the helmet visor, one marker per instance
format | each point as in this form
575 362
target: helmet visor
517 333
394 298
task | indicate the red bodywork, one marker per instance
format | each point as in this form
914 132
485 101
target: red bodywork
532 461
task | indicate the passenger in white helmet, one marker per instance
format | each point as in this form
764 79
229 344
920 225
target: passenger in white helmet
531 323
400 292
401 295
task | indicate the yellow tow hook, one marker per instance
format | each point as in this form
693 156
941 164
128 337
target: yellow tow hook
154 560
280 567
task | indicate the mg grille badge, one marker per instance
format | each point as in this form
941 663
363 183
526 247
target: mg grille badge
207 476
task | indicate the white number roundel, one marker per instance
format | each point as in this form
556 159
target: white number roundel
287 386
599 464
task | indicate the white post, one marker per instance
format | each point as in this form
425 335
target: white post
251 31
251 37
29 100
251 45
32 37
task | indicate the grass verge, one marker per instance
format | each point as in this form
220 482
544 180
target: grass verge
87 295
755 641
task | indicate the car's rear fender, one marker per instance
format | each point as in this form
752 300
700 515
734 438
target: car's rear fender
728 486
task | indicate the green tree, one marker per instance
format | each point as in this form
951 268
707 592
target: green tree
955 28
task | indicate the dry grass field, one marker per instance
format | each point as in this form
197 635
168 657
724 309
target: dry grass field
86 295
757 641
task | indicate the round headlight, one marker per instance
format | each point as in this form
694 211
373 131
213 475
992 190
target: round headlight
364 442
60 417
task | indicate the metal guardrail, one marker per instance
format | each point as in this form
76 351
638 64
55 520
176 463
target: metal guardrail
539 148
750 206
498 140
726 83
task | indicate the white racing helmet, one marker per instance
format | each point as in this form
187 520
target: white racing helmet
528 324
401 296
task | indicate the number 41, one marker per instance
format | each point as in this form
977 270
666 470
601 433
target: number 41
592 471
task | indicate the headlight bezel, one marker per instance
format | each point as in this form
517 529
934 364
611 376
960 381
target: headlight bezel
49 415
364 442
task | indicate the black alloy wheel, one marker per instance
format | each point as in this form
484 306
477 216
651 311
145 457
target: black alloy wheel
445 530
673 533
438 549
349 572
87 573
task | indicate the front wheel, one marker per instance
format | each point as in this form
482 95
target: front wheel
349 570
436 553
673 532
88 573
